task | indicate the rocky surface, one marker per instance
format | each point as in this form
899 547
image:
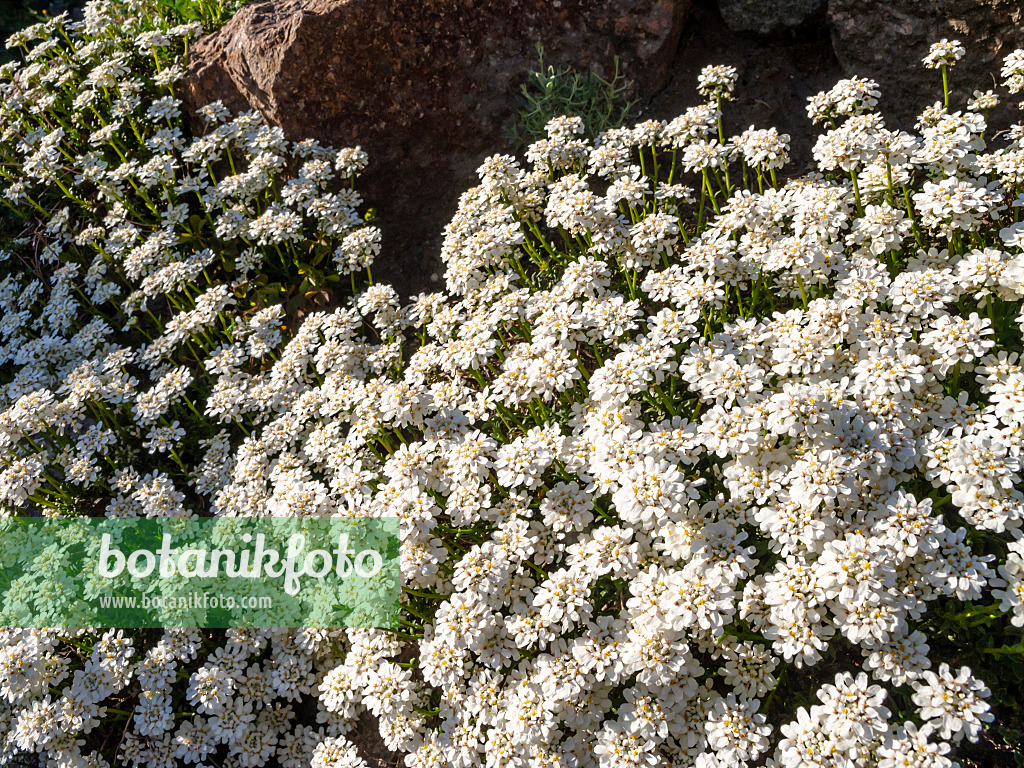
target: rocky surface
425 87
777 73
769 16
886 40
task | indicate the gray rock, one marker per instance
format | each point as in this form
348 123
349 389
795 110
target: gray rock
766 17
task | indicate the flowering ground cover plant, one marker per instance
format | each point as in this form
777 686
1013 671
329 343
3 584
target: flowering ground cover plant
694 465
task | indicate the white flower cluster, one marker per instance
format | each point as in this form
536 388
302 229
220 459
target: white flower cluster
655 447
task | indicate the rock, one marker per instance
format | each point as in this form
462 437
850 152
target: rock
776 76
424 87
886 40
766 17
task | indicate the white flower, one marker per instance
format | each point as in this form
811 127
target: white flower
209 689
852 711
717 81
944 53
956 204
953 704
336 752
909 745
735 729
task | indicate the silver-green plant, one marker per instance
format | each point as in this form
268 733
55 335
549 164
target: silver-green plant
550 92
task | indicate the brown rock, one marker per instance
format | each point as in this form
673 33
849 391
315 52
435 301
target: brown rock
886 40
425 87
